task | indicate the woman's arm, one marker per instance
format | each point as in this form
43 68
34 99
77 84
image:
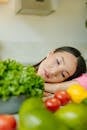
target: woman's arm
82 80
52 88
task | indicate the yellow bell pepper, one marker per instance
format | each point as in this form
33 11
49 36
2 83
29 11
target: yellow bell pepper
77 93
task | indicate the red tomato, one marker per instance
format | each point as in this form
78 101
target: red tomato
7 122
52 104
63 96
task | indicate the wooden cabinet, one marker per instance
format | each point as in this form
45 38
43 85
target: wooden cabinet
3 1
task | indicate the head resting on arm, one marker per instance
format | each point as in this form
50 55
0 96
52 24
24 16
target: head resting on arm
80 65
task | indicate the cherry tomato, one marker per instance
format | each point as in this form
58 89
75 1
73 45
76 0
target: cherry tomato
63 96
52 104
7 122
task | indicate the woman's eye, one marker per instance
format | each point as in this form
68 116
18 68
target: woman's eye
57 61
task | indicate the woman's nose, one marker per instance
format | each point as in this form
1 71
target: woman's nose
56 71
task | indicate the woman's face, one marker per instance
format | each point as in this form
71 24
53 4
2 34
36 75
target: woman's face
57 67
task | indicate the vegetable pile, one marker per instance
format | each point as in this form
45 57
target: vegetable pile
34 116
70 116
60 98
17 79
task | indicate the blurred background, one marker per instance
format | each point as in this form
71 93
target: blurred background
28 38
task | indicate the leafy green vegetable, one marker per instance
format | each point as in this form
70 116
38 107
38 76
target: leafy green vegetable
17 79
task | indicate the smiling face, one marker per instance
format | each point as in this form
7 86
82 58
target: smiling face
57 67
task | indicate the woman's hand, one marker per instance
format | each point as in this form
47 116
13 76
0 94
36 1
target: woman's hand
46 96
50 89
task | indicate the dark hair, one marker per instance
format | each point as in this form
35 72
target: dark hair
81 64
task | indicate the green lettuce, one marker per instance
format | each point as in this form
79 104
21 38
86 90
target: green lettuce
17 79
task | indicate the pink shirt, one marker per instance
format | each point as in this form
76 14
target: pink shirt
82 80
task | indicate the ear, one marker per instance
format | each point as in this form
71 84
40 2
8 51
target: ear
50 54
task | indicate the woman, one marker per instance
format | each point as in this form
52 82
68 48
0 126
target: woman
62 64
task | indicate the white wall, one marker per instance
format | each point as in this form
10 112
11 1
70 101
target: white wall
28 38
